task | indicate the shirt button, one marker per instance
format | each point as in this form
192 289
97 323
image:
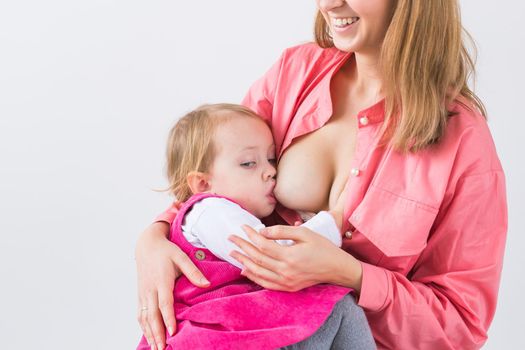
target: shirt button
354 172
200 255
363 120
348 235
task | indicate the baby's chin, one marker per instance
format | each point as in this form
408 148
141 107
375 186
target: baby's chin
266 211
270 211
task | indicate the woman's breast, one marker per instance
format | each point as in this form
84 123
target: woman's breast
313 170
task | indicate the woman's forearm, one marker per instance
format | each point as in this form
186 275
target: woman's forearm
157 231
347 271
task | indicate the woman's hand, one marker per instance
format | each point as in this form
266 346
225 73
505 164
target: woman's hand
159 264
311 260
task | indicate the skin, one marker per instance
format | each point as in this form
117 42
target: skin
244 167
311 260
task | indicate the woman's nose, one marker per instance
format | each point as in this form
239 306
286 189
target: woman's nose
327 5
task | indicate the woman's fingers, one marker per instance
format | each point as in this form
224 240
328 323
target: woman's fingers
165 291
263 277
142 317
154 321
159 264
149 336
295 233
266 253
166 309
263 282
188 269
164 318
265 245
254 269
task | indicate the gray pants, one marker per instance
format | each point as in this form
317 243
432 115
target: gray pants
345 328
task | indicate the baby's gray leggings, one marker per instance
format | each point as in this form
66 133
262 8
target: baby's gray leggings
345 328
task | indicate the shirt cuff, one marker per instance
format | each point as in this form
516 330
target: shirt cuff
374 287
169 215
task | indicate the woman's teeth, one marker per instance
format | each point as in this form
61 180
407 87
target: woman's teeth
343 22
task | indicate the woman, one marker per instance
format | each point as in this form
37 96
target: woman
383 102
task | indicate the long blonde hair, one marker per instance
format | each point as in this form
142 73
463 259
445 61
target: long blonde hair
425 66
190 143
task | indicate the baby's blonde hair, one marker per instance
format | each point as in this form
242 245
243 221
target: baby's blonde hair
190 143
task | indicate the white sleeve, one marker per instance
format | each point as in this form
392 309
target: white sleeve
218 219
324 224
215 219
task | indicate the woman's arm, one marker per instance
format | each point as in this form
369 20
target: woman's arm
159 264
448 299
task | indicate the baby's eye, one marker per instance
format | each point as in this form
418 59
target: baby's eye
248 164
272 161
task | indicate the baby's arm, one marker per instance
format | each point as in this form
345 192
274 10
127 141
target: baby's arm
213 220
323 224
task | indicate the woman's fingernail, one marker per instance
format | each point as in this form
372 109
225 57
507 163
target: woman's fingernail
160 346
170 330
204 281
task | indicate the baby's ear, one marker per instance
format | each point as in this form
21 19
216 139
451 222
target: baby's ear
198 182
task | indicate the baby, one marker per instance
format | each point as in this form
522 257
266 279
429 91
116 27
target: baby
221 163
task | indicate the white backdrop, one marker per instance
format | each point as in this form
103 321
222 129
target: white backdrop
88 90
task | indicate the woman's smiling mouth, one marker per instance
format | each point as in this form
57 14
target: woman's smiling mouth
342 23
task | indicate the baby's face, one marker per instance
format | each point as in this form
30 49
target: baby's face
244 165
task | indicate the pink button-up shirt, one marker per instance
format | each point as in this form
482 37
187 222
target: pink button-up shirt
430 227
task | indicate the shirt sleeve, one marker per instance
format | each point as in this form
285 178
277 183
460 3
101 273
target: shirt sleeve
169 214
449 298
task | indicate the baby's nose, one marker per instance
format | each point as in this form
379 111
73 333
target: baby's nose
271 173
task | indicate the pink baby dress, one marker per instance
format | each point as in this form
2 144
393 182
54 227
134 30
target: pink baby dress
235 313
